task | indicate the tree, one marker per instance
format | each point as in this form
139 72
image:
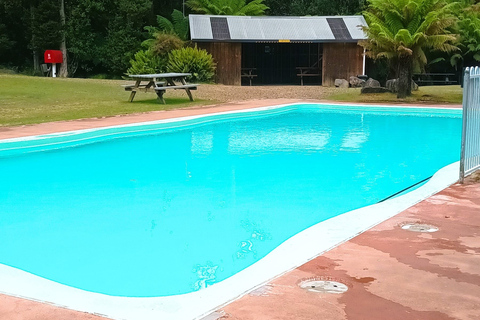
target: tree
326 7
228 7
314 7
63 42
401 31
469 29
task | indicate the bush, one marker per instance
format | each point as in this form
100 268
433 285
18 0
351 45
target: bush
146 62
192 60
163 43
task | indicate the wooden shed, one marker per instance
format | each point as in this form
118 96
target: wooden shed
281 50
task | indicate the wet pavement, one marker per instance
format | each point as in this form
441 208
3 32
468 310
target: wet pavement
391 273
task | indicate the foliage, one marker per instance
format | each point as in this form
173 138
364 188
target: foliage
228 7
163 43
154 58
47 27
124 34
401 31
5 42
192 60
146 62
101 35
469 29
314 7
178 25
327 7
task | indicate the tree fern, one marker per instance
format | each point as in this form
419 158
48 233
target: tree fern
401 31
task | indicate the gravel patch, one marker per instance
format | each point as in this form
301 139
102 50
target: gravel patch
223 93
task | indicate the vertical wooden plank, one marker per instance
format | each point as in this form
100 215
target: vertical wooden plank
228 57
341 61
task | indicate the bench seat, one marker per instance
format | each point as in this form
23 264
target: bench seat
130 87
308 75
183 86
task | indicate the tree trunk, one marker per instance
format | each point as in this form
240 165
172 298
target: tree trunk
36 60
63 45
405 65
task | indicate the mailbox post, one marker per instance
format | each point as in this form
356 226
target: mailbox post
53 57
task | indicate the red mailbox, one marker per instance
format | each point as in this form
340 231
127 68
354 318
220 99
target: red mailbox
53 56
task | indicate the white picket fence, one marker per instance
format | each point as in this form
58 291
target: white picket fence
470 151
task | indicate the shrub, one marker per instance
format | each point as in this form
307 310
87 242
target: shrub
196 61
163 43
146 62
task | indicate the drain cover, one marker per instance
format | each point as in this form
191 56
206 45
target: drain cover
325 286
419 227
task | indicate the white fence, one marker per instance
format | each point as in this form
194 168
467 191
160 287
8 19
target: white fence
470 152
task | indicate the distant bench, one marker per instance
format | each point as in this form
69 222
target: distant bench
248 73
307 72
434 78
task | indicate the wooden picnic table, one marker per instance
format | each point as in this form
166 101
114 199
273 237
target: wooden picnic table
307 72
159 83
249 73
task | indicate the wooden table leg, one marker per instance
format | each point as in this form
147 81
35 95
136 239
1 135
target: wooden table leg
134 90
132 95
189 94
184 82
160 96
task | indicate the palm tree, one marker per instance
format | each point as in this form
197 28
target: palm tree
401 31
228 7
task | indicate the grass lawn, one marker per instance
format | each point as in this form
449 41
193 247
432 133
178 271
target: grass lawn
28 100
424 95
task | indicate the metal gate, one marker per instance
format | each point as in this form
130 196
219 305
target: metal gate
470 151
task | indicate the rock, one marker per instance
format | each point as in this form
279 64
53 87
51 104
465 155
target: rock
372 83
341 83
374 90
356 82
392 85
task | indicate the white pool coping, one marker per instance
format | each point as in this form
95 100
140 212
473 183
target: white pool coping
299 249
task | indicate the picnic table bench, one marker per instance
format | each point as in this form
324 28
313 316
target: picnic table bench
307 72
249 73
434 78
151 83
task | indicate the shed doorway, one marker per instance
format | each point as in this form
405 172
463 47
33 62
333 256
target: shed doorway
282 63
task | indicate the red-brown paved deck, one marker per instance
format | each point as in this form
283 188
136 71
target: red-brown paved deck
392 273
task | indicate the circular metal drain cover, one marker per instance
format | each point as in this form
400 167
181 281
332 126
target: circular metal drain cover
419 227
325 286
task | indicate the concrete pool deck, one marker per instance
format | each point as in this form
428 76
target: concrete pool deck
391 273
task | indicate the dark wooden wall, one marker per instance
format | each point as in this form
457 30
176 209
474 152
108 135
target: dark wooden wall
228 56
341 61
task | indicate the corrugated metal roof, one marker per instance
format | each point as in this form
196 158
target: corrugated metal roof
257 29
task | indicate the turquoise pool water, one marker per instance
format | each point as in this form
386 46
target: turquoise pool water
165 209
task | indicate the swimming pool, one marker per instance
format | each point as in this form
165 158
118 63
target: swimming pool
99 205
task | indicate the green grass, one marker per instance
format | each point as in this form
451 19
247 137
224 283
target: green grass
424 95
28 100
